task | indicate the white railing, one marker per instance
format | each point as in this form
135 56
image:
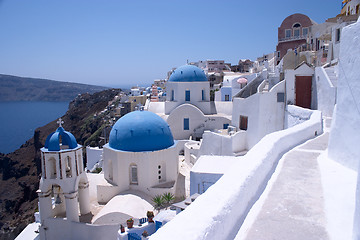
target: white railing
292 38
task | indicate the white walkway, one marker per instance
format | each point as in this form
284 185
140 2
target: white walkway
292 207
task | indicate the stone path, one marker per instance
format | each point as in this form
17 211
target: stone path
294 206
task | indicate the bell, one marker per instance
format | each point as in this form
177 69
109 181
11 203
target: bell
58 199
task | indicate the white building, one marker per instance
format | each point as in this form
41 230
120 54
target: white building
232 84
188 109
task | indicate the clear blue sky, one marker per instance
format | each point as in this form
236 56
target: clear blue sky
129 42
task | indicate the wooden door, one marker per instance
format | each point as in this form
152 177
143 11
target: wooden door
303 91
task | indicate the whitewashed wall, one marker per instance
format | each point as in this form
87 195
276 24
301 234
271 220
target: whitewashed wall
147 169
93 156
195 95
191 151
156 107
326 92
199 182
216 144
265 114
336 44
344 138
224 107
222 145
295 115
60 229
346 117
197 120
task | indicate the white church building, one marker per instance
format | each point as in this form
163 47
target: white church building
139 162
63 178
141 155
188 109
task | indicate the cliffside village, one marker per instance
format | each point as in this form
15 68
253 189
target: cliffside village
212 137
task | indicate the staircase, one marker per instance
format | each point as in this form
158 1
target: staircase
330 71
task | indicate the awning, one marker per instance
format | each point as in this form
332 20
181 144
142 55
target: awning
242 80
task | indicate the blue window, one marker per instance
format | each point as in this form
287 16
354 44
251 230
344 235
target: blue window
280 97
226 125
172 95
186 124
187 95
203 95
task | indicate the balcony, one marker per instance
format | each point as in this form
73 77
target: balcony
292 38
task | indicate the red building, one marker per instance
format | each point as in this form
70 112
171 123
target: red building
293 32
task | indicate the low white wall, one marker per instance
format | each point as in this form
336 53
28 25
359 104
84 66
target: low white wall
216 144
222 145
295 115
239 141
221 210
106 192
326 92
60 229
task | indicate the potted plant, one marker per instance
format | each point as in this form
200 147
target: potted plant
145 234
150 216
130 223
122 229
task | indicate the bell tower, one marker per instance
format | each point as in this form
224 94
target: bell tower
64 187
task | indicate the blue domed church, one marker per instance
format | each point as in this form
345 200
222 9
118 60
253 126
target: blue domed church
188 109
141 155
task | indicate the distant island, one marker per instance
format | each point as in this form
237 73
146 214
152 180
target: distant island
15 88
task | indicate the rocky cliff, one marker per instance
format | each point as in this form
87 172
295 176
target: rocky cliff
15 88
20 170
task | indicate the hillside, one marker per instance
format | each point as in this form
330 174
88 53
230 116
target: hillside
20 170
32 89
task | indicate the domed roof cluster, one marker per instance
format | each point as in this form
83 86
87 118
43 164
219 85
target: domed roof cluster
53 141
141 131
188 73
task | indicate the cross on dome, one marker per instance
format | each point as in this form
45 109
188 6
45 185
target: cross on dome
60 122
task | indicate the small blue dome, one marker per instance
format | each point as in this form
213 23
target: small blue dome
188 73
52 142
141 131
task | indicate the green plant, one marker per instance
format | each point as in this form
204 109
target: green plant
97 170
158 201
130 220
168 198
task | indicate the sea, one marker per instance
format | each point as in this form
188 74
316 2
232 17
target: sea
18 120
